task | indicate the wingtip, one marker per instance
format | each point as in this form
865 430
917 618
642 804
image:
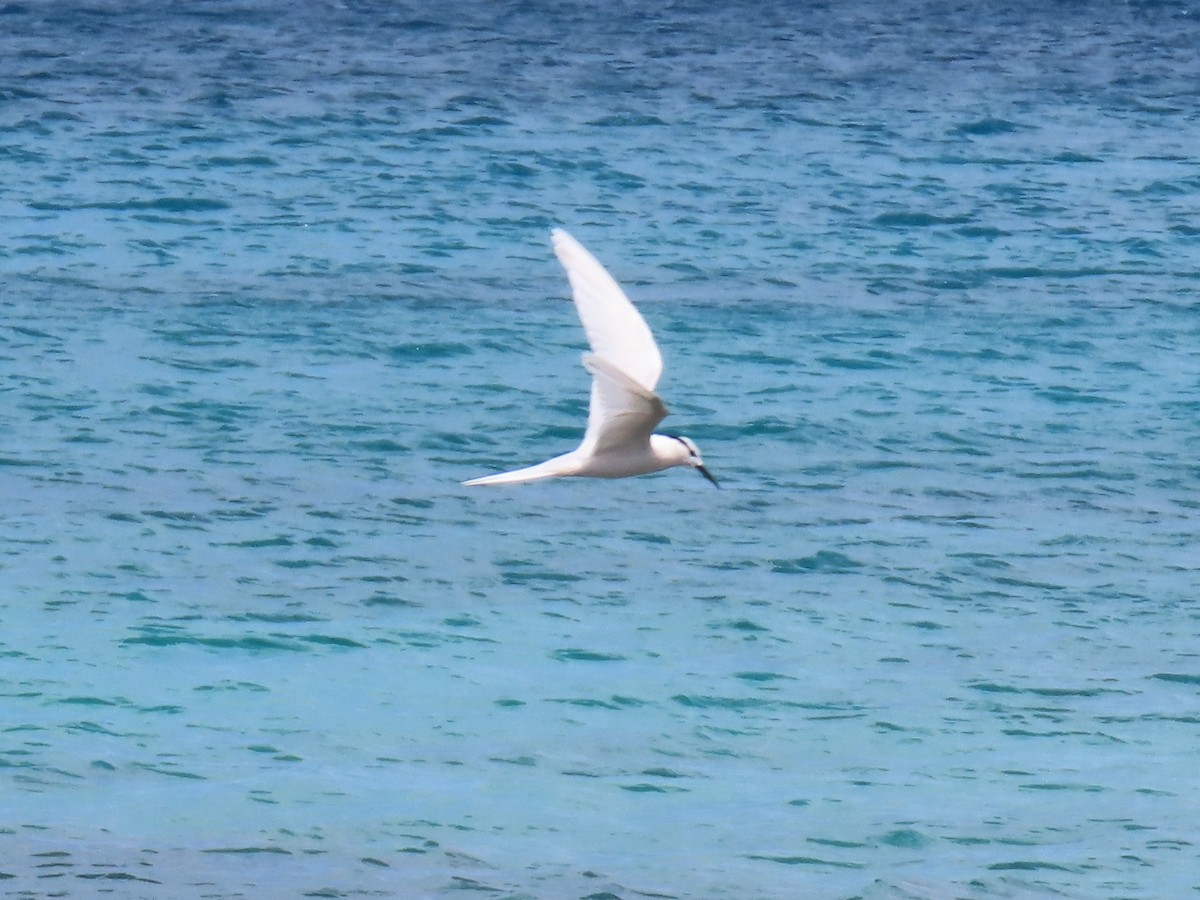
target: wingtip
560 236
566 248
498 478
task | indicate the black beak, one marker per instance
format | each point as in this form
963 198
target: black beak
707 474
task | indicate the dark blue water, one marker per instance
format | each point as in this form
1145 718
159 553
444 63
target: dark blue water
276 279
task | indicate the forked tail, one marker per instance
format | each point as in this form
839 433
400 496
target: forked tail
551 468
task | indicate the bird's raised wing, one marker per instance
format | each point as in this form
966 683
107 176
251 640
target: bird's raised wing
622 413
615 329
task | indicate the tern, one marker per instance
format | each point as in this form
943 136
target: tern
625 365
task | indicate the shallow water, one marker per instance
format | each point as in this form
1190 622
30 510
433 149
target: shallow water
274 284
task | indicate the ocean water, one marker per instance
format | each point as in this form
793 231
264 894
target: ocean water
275 278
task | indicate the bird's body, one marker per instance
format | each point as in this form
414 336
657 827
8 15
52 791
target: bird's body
625 364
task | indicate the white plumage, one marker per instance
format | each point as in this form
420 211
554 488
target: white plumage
625 365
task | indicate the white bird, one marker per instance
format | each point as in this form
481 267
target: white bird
625 366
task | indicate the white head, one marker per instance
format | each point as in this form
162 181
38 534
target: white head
677 450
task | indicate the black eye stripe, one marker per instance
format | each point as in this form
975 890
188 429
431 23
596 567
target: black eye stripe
691 451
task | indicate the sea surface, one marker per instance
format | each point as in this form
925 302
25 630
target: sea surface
275 278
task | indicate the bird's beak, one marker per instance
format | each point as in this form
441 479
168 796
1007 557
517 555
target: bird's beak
707 474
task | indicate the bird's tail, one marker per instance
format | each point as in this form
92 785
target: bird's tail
551 468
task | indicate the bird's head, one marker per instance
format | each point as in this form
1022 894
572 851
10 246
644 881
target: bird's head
689 455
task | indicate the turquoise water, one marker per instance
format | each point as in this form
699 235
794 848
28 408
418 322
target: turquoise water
276 280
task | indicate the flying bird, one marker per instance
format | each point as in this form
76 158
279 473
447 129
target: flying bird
625 365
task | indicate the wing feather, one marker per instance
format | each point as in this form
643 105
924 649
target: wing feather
621 414
615 329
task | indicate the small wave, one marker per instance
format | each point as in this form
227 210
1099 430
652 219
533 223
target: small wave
807 861
1177 677
161 204
576 655
987 127
251 643
917 220
829 561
